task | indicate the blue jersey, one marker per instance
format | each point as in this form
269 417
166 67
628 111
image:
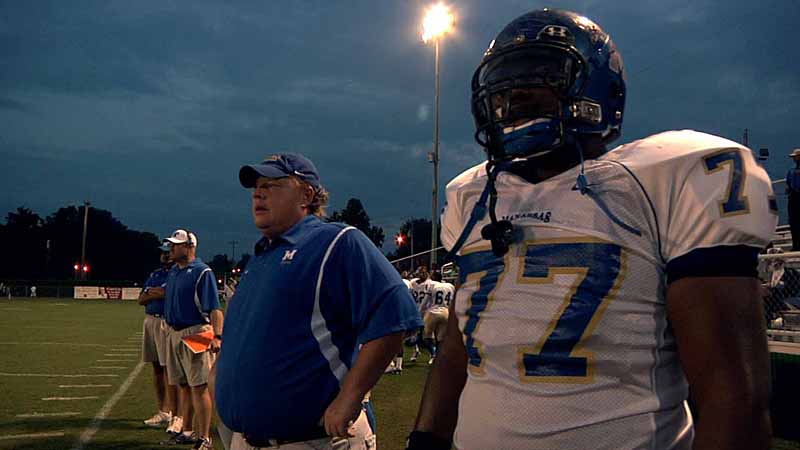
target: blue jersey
793 180
304 304
191 295
156 279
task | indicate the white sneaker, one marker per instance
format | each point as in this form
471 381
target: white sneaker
389 368
158 419
415 356
203 444
175 425
430 361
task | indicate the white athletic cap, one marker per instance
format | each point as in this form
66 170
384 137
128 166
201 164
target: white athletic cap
181 236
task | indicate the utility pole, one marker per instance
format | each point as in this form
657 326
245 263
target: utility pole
233 250
86 205
411 241
745 138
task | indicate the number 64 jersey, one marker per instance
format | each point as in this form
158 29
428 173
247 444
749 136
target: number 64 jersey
566 335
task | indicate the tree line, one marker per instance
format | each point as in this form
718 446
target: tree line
47 248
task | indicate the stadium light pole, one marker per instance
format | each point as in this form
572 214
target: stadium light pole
86 205
437 22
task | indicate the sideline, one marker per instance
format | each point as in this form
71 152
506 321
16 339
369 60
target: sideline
32 435
70 375
54 343
94 426
83 385
39 414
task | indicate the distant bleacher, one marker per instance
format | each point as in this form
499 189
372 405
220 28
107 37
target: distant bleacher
782 238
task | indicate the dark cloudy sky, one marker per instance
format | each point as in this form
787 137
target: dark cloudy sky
148 108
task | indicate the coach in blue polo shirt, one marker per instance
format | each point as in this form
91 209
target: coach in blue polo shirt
154 339
310 295
191 307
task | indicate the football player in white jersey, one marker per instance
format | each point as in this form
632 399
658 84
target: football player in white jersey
435 312
596 287
420 292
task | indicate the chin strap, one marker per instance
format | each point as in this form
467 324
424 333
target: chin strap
479 212
500 233
581 183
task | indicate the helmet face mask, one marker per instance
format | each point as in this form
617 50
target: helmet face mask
549 77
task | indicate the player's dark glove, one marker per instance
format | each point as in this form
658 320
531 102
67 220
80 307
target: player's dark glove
425 440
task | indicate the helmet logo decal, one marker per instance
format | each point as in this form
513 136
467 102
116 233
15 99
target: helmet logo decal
556 32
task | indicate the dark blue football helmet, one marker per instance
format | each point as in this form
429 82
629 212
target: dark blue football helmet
548 77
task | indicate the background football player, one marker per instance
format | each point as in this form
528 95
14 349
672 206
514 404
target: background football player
420 291
435 312
602 285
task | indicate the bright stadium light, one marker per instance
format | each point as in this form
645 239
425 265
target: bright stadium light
400 239
438 21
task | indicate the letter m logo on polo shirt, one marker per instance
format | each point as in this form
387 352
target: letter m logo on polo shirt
288 256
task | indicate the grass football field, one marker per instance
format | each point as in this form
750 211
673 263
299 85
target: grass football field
71 378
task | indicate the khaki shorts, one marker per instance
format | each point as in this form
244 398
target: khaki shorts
183 366
154 340
363 439
436 324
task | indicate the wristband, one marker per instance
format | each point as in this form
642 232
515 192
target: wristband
218 336
425 440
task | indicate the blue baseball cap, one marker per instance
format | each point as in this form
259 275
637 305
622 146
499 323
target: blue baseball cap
278 166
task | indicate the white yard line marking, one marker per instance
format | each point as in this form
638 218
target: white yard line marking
120 354
72 375
108 367
54 343
58 399
83 385
115 360
91 430
32 435
38 414
37 327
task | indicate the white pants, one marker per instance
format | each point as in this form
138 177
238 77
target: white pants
362 439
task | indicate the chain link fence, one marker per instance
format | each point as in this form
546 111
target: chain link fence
11 291
779 272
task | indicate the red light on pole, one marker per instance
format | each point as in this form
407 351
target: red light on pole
86 268
76 267
400 239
